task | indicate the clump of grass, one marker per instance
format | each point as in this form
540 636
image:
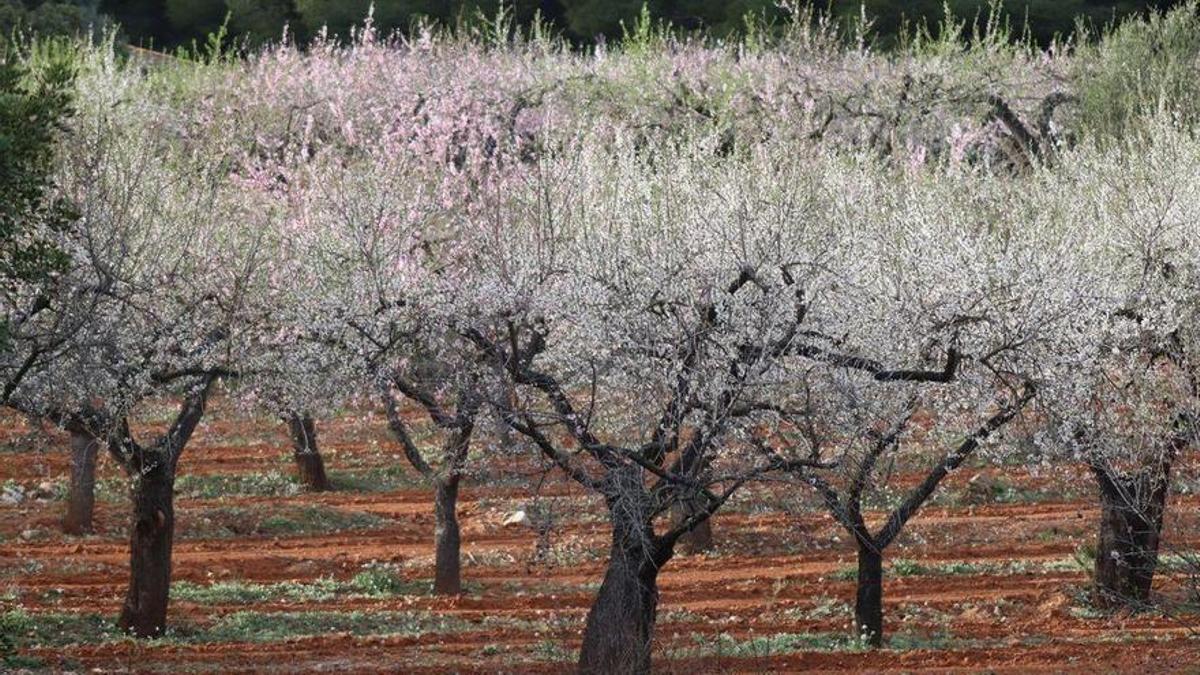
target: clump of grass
826 608
55 630
938 640
550 650
903 567
276 626
267 484
375 580
212 486
379 479
19 630
725 645
309 519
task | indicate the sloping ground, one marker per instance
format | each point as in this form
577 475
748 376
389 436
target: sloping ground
275 581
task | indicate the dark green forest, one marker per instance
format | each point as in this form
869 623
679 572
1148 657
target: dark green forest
169 23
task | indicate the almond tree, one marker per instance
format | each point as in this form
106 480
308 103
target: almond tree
942 328
639 303
1131 407
366 254
364 156
155 290
35 99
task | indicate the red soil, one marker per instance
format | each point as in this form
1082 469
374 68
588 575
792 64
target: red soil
772 574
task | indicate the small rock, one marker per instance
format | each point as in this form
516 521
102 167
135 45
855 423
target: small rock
12 495
46 488
516 519
28 535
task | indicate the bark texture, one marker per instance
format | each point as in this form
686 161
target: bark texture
81 501
447 565
868 603
309 464
144 613
1131 514
620 623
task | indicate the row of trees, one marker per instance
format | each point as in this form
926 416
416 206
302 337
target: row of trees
668 296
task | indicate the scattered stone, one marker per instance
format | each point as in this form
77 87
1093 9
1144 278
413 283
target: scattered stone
12 494
28 535
43 492
516 519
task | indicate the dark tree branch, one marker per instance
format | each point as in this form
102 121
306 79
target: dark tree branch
897 520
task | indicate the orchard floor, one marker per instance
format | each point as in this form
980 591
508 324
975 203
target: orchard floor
990 578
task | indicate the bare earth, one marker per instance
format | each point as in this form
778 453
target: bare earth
990 581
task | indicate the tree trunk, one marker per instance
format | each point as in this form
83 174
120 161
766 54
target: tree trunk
700 538
447 566
1131 513
620 623
81 501
145 611
308 457
868 605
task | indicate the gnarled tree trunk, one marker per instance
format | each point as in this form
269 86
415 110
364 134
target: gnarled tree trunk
1131 514
447 566
309 464
81 500
620 623
153 529
868 603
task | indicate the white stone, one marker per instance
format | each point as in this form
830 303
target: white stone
516 519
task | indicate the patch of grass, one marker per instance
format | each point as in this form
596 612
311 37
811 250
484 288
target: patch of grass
243 593
379 479
680 616
725 645
375 580
549 650
212 486
268 484
903 567
287 520
825 609
845 573
542 587
492 650
19 630
935 641
276 626
382 580
55 630
1180 561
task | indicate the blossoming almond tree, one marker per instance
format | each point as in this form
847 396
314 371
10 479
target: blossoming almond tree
370 266
363 191
933 339
36 93
639 302
1131 407
161 271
